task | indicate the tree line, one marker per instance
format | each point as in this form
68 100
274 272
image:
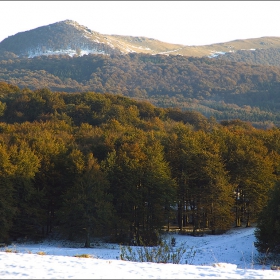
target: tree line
89 164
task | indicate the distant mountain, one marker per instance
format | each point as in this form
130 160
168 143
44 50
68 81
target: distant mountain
238 79
70 38
65 37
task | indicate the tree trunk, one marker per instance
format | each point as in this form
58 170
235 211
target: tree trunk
237 216
180 216
168 219
248 223
87 243
237 222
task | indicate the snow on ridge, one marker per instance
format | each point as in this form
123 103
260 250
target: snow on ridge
72 22
81 27
122 46
69 52
170 51
111 45
248 49
215 54
135 47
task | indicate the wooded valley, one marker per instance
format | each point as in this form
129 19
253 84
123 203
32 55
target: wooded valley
219 88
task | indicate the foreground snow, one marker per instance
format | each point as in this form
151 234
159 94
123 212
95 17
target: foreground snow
227 256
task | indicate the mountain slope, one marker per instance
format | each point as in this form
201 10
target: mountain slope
270 56
71 38
223 89
66 37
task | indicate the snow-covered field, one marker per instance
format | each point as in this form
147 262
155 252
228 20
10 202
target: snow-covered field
228 256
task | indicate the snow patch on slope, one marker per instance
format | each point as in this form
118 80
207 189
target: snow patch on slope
69 52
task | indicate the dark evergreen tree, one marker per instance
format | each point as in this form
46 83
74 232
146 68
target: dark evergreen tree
86 209
29 217
205 196
7 199
268 227
142 188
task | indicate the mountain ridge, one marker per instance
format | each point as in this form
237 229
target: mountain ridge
71 38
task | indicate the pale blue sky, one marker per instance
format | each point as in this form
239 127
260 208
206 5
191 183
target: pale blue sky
181 22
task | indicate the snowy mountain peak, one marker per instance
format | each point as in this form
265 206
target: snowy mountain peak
70 38
64 37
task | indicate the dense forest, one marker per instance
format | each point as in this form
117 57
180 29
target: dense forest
100 164
219 88
269 56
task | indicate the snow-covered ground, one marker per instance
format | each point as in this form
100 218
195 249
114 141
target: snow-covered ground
228 256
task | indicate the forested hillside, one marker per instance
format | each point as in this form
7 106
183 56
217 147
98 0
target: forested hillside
90 164
269 56
219 88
